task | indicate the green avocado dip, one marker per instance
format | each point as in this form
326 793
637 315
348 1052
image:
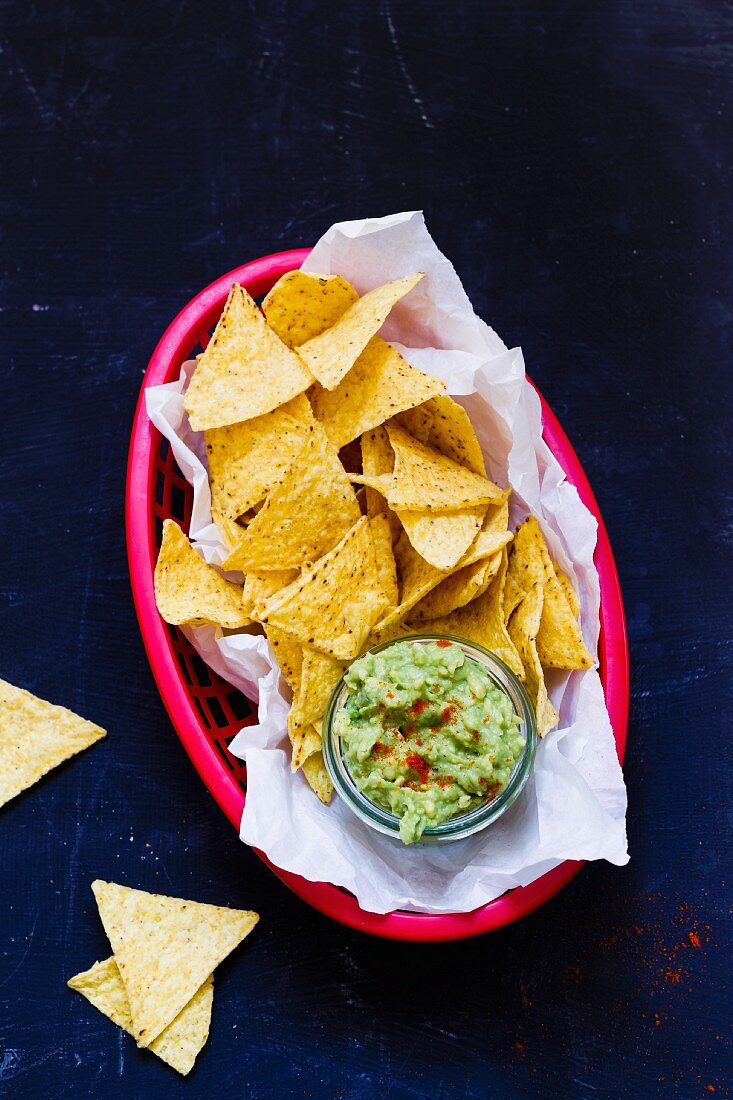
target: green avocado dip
426 733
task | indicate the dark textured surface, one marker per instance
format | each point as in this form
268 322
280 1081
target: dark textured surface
572 160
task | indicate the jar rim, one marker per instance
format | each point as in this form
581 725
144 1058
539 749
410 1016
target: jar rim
461 825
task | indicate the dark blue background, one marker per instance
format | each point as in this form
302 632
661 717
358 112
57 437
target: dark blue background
572 159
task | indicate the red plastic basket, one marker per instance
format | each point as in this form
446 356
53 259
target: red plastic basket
207 712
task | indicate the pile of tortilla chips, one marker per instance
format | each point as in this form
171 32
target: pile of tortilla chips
353 496
159 983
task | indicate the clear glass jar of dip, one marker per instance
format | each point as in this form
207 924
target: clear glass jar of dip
464 824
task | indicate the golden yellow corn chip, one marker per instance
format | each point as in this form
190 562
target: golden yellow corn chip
190 592
417 422
319 676
246 460
334 604
304 515
457 590
305 740
426 479
559 640
165 949
259 586
380 384
245 371
332 354
301 306
522 628
482 621
289 655
180 1042
450 431
526 568
442 538
384 557
570 594
377 457
35 737
318 778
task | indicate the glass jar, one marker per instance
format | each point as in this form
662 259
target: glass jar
462 825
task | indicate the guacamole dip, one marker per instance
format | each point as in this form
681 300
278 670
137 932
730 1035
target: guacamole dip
426 733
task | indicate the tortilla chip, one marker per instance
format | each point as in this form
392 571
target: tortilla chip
190 592
442 539
417 422
229 529
450 431
384 557
559 639
482 621
259 586
246 460
305 740
377 457
332 354
35 737
245 371
319 677
288 654
426 479
304 515
301 306
494 533
457 590
335 603
526 567
318 778
180 1042
165 949
570 594
380 384
523 626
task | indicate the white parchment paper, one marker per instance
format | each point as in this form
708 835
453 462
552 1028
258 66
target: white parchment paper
574 806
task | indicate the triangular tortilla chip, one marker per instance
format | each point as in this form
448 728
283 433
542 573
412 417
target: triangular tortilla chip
380 384
417 422
377 457
526 568
246 460
289 655
482 621
304 515
384 557
318 778
334 604
305 740
319 676
180 1042
245 371
445 425
332 354
189 591
570 594
523 626
260 586
457 590
36 736
559 640
423 478
165 949
301 305
442 538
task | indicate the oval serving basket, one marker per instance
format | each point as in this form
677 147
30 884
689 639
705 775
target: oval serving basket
207 712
